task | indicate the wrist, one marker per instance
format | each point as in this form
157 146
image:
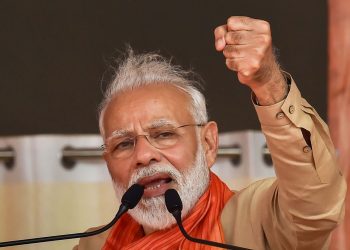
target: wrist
273 91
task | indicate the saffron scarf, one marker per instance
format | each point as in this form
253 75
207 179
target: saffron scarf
202 222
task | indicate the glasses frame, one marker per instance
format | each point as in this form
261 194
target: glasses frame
104 146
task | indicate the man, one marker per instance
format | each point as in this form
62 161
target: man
156 132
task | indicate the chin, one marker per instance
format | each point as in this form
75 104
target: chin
152 213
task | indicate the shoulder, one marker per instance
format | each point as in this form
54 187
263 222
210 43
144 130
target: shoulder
241 211
92 242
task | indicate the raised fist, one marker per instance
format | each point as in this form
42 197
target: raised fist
247 46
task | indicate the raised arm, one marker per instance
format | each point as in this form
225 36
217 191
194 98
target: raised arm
303 205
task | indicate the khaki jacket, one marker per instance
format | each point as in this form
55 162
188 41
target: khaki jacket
299 208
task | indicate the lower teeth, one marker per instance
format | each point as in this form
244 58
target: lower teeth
154 187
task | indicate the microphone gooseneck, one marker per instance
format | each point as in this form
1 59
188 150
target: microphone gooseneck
129 200
174 205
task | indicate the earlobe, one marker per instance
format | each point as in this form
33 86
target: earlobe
210 142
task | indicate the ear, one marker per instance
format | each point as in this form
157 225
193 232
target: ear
210 142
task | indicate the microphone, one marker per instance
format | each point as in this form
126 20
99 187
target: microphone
174 206
129 200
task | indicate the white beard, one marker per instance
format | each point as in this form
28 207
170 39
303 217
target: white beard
191 184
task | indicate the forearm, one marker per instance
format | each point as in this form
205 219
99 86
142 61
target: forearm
310 187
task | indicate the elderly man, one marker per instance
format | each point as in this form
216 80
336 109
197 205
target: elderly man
157 134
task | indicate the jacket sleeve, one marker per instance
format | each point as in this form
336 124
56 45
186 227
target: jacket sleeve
306 201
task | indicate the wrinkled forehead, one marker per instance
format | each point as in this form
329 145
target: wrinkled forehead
147 106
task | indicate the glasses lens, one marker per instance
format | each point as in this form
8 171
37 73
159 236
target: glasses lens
163 138
121 147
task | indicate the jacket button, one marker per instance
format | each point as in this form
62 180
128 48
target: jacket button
306 149
280 115
291 109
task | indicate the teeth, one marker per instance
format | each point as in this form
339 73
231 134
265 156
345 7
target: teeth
153 187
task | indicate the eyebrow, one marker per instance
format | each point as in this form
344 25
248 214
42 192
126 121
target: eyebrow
154 124
161 123
119 133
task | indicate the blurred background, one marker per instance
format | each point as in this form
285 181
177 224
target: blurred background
57 57
54 55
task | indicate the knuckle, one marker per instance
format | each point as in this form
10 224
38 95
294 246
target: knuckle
245 20
231 51
235 51
237 37
233 37
231 20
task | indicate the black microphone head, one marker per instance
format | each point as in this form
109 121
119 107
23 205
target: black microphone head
132 196
172 201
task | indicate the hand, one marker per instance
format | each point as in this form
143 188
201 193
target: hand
247 46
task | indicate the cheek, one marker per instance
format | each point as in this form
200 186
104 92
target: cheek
181 158
119 174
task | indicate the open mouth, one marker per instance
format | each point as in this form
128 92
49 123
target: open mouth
155 185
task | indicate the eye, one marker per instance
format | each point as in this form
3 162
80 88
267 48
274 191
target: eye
168 134
124 145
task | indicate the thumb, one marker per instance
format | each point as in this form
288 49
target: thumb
219 34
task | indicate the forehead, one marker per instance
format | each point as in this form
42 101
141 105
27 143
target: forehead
142 106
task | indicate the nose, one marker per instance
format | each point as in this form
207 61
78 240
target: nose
145 153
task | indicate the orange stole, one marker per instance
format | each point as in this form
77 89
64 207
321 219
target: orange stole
203 222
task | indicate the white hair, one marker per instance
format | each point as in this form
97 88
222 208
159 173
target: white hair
135 71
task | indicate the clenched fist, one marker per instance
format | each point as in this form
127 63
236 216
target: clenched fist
247 46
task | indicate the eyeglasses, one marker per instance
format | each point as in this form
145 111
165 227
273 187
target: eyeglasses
160 138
